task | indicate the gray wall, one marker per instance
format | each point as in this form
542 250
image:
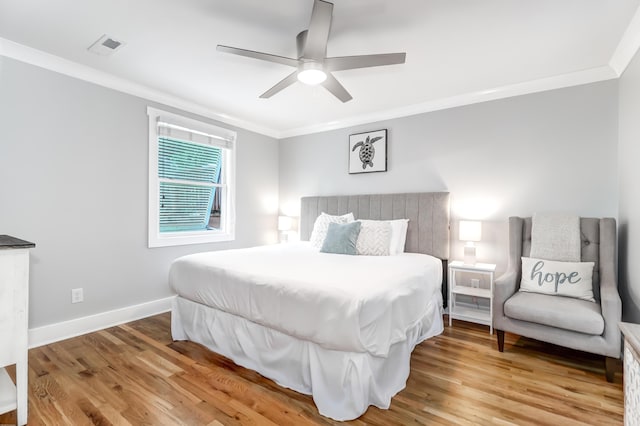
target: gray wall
629 215
73 167
551 151
74 172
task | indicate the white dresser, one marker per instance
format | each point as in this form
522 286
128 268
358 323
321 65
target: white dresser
14 317
631 334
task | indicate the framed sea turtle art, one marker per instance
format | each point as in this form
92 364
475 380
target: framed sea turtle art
368 152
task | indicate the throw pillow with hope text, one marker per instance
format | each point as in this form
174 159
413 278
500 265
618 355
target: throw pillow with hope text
570 279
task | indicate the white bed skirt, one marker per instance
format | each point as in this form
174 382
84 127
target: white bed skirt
342 384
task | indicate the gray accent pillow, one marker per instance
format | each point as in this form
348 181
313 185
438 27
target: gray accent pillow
341 238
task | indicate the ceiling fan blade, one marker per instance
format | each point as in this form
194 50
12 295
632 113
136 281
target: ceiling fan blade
282 84
258 55
318 32
363 61
336 89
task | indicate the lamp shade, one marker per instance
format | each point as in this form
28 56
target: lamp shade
470 230
284 223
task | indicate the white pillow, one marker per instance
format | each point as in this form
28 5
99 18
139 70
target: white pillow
398 235
322 224
571 279
374 238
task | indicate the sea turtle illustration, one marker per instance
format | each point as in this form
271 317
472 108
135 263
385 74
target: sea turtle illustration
367 151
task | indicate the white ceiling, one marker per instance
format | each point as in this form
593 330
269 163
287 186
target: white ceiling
455 49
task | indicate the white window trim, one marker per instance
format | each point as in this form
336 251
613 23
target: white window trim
228 212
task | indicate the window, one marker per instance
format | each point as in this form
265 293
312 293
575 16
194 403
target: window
191 181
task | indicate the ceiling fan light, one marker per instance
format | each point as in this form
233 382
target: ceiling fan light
312 77
311 73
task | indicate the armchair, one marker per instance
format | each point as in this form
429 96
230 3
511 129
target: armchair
574 323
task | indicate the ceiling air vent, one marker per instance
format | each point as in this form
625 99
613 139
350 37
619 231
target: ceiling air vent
105 46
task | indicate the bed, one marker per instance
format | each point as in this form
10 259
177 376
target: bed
339 328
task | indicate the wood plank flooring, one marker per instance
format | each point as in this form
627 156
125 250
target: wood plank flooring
134 374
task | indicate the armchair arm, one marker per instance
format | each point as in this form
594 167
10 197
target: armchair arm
611 305
504 287
610 302
507 284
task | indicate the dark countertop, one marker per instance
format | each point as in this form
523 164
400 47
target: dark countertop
9 242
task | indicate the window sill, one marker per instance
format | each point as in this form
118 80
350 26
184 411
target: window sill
188 238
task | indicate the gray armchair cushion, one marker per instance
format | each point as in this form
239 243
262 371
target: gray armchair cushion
556 311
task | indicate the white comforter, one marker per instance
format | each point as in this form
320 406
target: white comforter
347 303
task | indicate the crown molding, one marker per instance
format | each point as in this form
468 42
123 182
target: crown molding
592 75
29 55
628 45
624 53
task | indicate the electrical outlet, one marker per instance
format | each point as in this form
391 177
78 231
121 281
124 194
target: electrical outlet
77 295
475 283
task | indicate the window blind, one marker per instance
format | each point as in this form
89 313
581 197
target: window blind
188 161
189 174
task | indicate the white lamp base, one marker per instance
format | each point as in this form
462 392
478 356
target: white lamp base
469 254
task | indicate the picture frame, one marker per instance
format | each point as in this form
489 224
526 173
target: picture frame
368 152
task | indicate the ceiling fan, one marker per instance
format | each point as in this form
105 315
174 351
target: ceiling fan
313 67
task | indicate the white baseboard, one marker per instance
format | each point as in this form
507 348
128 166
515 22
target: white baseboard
64 330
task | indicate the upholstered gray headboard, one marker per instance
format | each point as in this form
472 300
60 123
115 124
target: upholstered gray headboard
428 214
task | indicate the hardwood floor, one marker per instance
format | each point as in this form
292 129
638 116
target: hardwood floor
134 374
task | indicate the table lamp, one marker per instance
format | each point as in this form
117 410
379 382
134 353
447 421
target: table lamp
470 232
284 226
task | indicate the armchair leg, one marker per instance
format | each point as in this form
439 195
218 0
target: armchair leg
500 335
610 365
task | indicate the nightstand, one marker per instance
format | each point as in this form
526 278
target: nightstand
471 309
